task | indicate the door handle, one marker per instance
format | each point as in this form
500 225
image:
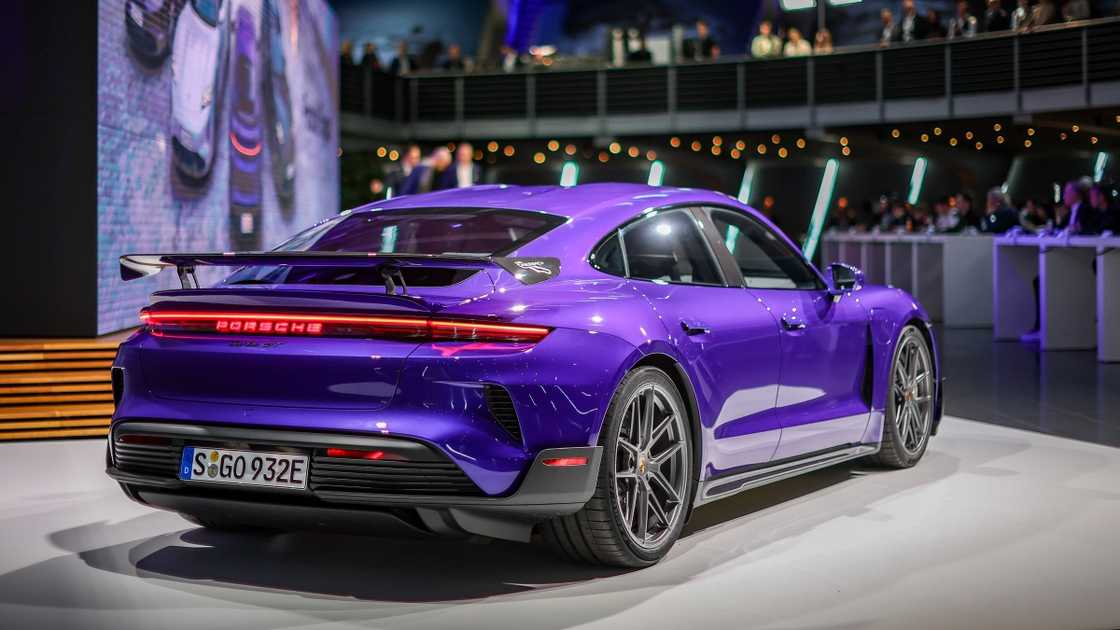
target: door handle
791 321
691 328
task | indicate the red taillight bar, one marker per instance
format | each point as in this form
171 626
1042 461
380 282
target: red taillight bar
564 462
339 326
355 454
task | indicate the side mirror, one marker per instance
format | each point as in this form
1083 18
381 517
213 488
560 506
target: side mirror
843 277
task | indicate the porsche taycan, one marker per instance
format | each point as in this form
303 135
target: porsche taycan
580 366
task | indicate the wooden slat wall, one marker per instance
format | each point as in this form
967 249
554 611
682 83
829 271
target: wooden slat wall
55 388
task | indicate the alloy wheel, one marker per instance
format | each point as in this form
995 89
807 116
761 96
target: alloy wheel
651 466
912 392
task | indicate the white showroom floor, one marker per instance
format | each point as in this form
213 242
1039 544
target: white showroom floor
996 528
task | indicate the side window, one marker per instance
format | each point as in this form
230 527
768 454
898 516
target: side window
608 257
668 247
767 262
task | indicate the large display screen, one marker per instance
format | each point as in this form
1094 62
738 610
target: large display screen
217 131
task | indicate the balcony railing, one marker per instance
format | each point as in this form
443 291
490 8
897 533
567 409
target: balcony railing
1062 67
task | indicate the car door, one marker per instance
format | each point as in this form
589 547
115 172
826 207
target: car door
728 340
823 394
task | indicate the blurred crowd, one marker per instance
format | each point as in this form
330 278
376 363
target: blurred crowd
1084 207
629 45
451 166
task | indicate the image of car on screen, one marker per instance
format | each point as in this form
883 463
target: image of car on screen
150 25
576 365
245 139
198 70
277 104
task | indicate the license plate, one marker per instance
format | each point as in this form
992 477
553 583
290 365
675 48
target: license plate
247 468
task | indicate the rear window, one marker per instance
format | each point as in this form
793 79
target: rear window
417 231
427 231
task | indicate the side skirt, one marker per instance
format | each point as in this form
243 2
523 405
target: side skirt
725 486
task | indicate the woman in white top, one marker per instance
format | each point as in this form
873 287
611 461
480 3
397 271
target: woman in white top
797 46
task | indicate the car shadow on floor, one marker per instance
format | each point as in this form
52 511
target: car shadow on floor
365 568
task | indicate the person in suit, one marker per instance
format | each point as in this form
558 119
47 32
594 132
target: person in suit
454 61
704 47
912 27
1082 218
465 172
995 18
404 62
396 176
889 31
430 174
1108 214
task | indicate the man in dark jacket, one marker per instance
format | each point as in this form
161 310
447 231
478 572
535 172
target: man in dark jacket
998 218
995 18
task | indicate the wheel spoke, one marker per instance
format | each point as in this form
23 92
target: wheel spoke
673 496
664 456
661 428
632 449
658 509
643 512
646 423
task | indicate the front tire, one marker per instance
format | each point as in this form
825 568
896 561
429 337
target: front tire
646 479
908 418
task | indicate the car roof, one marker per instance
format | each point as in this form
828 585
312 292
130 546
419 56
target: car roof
592 210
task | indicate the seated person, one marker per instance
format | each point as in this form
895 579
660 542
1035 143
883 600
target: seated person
998 217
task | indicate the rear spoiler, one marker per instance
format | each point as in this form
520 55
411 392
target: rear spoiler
526 270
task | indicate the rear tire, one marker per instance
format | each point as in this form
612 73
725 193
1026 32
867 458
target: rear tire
646 466
908 417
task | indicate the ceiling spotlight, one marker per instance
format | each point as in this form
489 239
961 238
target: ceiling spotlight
968 135
937 131
999 139
674 142
381 152
633 152
846 151
570 149
651 155
553 145
925 137
696 146
997 127
715 150
538 157
615 147
801 143
735 154
394 154
783 153
843 141
1093 139
1027 143
1063 135
761 149
1030 131
979 146
895 133
776 139
603 157
716 140
1075 128
492 146
952 142
739 144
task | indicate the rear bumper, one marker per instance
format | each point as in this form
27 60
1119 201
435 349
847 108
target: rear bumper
544 491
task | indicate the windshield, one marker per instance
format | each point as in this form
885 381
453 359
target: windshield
207 10
428 231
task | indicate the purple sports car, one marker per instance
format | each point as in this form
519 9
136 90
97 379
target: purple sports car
584 365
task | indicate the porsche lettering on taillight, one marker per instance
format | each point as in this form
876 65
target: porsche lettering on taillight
337 325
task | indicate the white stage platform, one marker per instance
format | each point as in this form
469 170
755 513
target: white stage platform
996 528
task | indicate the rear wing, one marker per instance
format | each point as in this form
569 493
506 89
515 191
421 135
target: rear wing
526 270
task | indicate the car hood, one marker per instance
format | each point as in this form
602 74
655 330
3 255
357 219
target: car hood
194 67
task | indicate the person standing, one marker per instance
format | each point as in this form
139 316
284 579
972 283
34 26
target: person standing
466 172
766 45
1021 16
995 18
963 24
797 46
822 42
454 61
403 63
889 32
912 27
704 47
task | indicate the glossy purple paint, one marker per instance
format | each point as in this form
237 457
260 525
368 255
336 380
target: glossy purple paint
761 390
